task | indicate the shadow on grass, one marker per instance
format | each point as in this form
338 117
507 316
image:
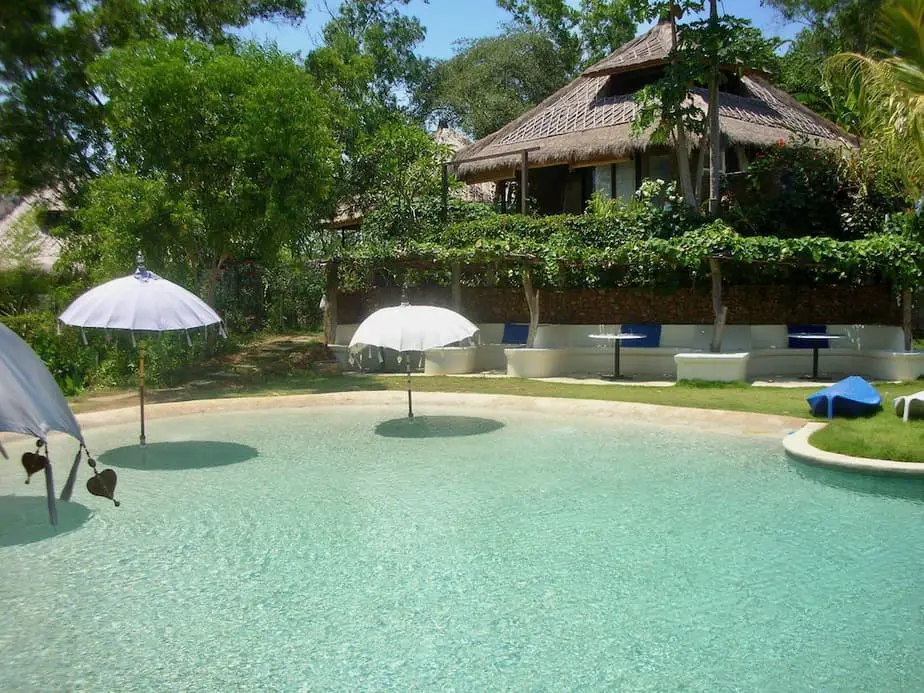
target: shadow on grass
24 519
867 484
189 454
437 427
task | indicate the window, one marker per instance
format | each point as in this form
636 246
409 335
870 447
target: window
615 180
659 166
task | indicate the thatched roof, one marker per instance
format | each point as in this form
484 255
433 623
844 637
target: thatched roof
40 250
579 124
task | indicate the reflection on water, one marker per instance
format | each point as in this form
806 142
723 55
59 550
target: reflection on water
24 519
904 488
188 454
437 427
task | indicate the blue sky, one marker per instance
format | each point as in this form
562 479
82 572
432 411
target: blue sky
447 21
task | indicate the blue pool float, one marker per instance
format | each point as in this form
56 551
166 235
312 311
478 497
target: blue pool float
852 396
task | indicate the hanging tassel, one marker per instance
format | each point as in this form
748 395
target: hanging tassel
68 489
58 328
83 335
378 355
221 331
420 362
188 340
50 490
133 337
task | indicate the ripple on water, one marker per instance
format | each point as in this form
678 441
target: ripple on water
543 553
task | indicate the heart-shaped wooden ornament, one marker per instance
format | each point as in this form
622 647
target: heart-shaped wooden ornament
33 463
103 484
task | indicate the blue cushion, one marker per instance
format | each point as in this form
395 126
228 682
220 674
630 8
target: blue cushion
652 334
515 333
807 343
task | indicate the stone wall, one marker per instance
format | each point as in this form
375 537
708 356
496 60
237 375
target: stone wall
754 305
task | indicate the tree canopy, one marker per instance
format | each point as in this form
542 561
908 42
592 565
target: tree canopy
52 129
217 153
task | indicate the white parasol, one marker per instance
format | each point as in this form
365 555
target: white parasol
31 403
142 302
407 328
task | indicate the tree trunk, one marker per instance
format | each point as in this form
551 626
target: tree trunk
720 311
331 290
715 135
457 287
680 140
907 302
532 301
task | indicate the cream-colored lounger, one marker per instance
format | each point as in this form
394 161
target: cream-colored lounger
910 405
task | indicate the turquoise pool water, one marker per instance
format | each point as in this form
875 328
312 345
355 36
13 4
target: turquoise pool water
322 549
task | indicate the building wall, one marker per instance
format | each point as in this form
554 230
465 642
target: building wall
756 305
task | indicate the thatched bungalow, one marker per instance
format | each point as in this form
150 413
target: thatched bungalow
579 140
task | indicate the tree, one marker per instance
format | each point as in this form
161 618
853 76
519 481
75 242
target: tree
583 33
217 153
890 88
367 67
700 48
52 128
491 81
831 27
702 51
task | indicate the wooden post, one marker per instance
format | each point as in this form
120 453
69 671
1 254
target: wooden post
906 319
444 213
142 439
721 312
715 135
524 181
532 302
331 289
457 286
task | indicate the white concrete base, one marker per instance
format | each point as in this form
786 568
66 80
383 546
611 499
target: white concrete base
714 367
657 362
450 360
798 446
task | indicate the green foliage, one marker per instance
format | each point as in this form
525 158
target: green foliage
491 81
65 356
831 27
292 295
52 130
220 154
730 42
645 244
108 359
583 32
889 85
797 190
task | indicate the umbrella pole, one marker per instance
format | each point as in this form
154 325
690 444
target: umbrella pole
410 410
141 386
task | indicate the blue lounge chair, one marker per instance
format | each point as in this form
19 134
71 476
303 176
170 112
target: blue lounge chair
852 396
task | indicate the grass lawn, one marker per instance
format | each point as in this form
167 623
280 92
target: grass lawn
283 365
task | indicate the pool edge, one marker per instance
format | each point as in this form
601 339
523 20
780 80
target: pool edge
797 445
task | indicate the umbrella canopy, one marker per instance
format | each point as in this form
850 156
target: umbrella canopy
31 403
412 328
142 302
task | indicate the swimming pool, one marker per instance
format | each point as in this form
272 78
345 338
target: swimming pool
341 548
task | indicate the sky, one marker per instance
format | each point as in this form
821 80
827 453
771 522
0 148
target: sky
447 21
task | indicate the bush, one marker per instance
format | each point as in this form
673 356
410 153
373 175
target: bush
108 359
70 362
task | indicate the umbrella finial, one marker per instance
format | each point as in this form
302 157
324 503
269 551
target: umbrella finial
141 271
